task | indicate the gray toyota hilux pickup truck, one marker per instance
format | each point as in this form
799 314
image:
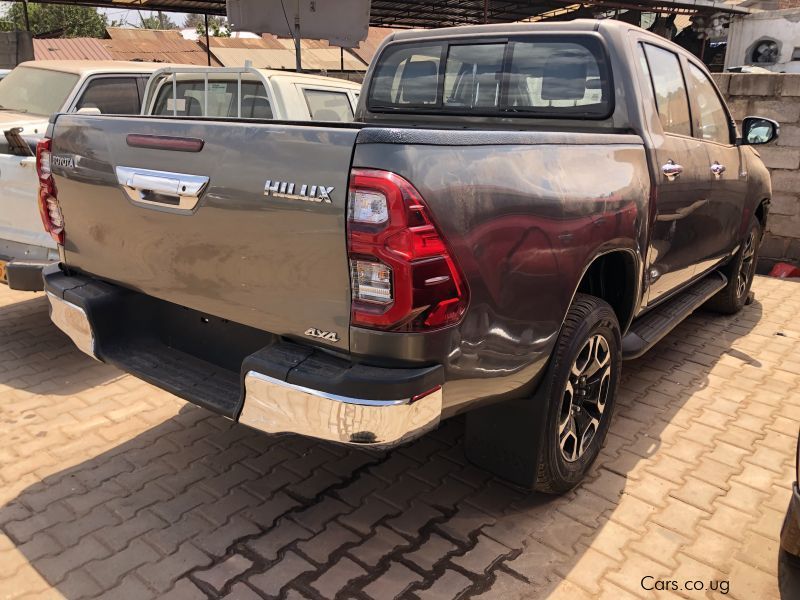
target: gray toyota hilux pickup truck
517 210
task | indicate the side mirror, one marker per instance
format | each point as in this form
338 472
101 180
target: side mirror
758 130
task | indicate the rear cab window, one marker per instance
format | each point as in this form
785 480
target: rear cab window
560 76
222 101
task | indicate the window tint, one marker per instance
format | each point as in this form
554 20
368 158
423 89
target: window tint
222 99
407 75
328 106
669 89
533 76
111 95
712 121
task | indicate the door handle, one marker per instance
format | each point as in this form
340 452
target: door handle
671 170
164 189
717 169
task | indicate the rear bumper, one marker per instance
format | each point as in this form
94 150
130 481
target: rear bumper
26 275
281 387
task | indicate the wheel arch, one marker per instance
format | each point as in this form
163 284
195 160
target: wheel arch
613 275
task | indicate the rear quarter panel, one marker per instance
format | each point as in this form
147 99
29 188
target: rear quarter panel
525 213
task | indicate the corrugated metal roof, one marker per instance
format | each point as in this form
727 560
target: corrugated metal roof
366 49
70 49
271 52
154 45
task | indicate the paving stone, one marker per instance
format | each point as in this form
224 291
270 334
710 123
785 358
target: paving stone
241 591
337 577
431 552
447 587
392 583
221 573
320 547
382 543
271 543
279 575
483 556
162 574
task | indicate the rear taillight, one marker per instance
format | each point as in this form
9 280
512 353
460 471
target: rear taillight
402 274
49 209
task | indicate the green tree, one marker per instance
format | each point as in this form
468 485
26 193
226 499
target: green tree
218 26
66 21
159 20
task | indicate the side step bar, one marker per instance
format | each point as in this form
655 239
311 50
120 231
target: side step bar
648 330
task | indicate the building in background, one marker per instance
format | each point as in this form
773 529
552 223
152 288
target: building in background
769 40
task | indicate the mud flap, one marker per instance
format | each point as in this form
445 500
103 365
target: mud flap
507 438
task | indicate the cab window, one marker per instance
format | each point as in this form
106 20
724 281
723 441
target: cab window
324 105
111 96
711 122
670 91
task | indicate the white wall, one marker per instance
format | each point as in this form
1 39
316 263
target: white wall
782 26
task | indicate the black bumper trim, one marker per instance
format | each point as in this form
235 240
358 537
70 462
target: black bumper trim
26 275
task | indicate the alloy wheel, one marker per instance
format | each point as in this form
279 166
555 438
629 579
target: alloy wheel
746 268
584 399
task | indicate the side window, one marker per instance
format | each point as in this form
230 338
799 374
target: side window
112 95
328 106
670 91
712 121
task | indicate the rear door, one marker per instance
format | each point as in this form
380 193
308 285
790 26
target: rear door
250 228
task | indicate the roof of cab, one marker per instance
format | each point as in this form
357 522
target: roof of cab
193 72
91 67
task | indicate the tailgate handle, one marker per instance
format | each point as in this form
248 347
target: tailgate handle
163 189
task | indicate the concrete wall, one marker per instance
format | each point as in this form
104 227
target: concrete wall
774 96
15 47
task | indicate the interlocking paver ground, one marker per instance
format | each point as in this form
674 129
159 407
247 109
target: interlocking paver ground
111 487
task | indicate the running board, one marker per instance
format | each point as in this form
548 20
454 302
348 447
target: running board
648 330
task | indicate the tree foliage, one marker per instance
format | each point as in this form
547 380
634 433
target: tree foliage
63 20
218 26
159 20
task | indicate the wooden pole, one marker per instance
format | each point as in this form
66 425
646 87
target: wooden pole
25 15
208 45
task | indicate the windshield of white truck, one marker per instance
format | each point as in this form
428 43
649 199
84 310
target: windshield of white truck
37 91
539 76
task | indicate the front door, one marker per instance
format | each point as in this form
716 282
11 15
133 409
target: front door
722 217
682 179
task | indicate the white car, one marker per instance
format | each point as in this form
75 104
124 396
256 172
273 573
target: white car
29 94
265 94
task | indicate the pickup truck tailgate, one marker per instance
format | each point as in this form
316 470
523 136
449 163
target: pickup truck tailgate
276 261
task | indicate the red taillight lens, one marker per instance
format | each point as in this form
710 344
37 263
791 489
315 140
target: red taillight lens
49 209
403 276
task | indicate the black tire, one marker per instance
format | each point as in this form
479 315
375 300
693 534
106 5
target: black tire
740 271
560 468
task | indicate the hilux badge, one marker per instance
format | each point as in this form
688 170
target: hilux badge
288 189
330 336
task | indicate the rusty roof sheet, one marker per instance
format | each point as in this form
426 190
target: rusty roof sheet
156 46
271 52
70 49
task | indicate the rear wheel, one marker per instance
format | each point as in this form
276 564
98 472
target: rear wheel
580 387
740 272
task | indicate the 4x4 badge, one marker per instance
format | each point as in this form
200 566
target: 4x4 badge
330 336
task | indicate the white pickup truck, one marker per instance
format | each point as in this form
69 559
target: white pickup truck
33 91
28 96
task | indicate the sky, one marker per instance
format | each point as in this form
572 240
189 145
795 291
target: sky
131 17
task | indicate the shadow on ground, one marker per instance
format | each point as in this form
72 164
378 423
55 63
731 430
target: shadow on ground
28 338
322 519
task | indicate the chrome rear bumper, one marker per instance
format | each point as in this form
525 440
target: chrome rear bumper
276 406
